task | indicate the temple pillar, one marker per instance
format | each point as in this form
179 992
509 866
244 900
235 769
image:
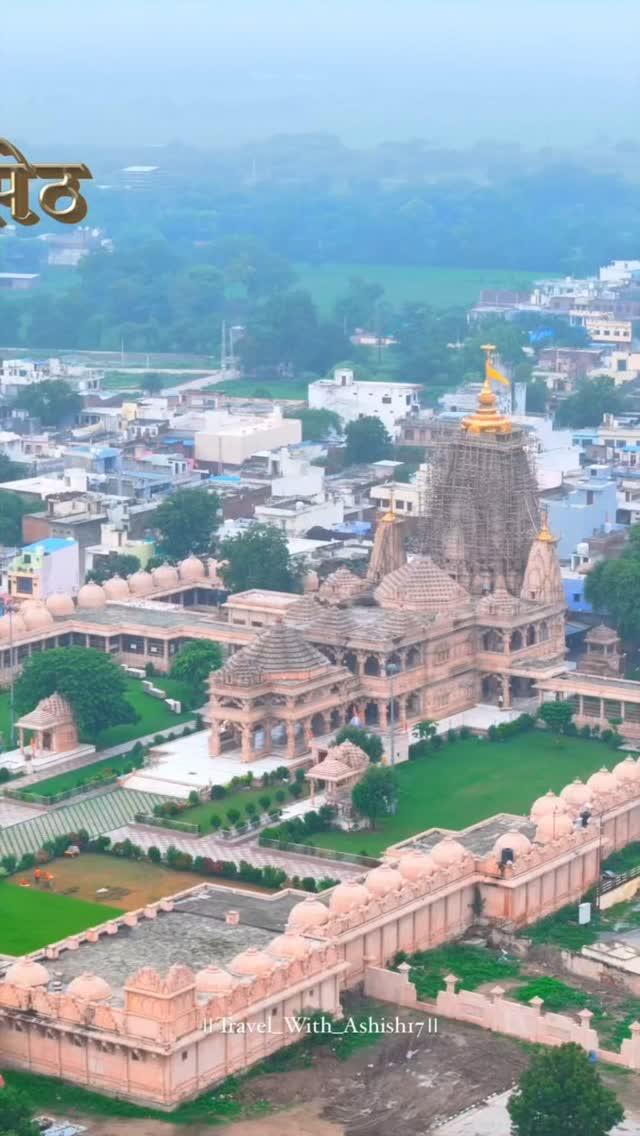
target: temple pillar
268 740
506 692
214 739
247 744
308 733
383 716
291 739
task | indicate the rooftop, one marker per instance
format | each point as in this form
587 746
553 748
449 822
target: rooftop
480 838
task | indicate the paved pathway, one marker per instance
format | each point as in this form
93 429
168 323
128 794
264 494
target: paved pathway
492 1119
250 850
98 814
14 812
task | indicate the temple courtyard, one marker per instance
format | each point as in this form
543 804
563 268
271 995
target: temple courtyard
466 781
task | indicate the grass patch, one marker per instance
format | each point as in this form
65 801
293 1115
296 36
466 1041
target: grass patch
563 930
153 714
472 965
201 814
295 389
439 287
624 860
558 997
75 777
467 781
31 919
213 1107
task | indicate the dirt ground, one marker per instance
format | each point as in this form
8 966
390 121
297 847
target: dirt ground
403 1084
131 883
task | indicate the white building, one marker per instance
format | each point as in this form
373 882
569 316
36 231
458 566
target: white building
406 498
619 272
296 517
352 398
18 373
229 439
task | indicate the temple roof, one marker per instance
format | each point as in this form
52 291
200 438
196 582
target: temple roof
420 586
282 651
601 634
50 712
341 586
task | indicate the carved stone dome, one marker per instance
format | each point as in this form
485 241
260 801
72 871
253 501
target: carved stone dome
141 583
35 615
307 915
348 896
420 586
166 576
90 987
12 625
252 963
415 865
603 782
27 973
60 604
553 828
91 596
288 946
448 853
380 881
192 569
517 842
213 980
627 771
577 794
115 588
549 805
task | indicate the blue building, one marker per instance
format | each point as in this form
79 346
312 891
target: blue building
580 508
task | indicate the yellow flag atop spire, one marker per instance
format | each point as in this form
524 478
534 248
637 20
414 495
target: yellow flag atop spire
490 370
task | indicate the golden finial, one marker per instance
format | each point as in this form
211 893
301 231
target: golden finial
391 514
487 419
545 534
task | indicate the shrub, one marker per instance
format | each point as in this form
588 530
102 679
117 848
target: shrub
194 797
251 809
452 736
463 733
280 795
606 735
27 860
149 670
233 816
158 740
296 790
4 775
436 742
585 731
154 854
218 792
215 821
308 883
300 775
264 802
9 863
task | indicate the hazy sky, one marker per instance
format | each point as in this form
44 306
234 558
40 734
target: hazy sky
217 71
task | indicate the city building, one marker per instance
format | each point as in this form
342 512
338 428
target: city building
15 374
41 569
581 507
353 398
228 439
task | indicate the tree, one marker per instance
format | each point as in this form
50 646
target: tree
11 470
258 558
537 395
90 680
593 398
115 564
53 401
370 743
316 424
16 1115
561 1094
194 665
613 587
376 794
151 382
556 715
12 510
367 440
186 522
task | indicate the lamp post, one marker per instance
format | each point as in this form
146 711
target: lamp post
392 669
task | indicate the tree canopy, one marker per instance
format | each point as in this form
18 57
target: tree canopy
370 743
612 587
556 715
91 681
16 1114
53 401
592 399
258 558
376 794
187 522
561 1094
194 664
367 440
316 424
115 564
12 509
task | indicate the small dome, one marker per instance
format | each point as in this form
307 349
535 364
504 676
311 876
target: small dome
60 604
35 615
27 973
627 771
90 987
288 946
448 853
213 980
577 794
553 827
307 915
252 963
166 576
141 583
415 865
115 588
12 624
348 896
380 881
91 596
602 782
517 842
192 569
548 805
311 582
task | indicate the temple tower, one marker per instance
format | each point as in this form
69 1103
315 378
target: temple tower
482 511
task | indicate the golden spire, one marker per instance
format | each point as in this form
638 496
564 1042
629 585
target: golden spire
390 516
487 419
545 535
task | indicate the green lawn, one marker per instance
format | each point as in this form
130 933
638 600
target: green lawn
74 777
439 287
153 714
29 918
201 814
469 780
294 389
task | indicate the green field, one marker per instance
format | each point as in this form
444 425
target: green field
439 287
153 714
31 919
263 388
74 777
469 780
